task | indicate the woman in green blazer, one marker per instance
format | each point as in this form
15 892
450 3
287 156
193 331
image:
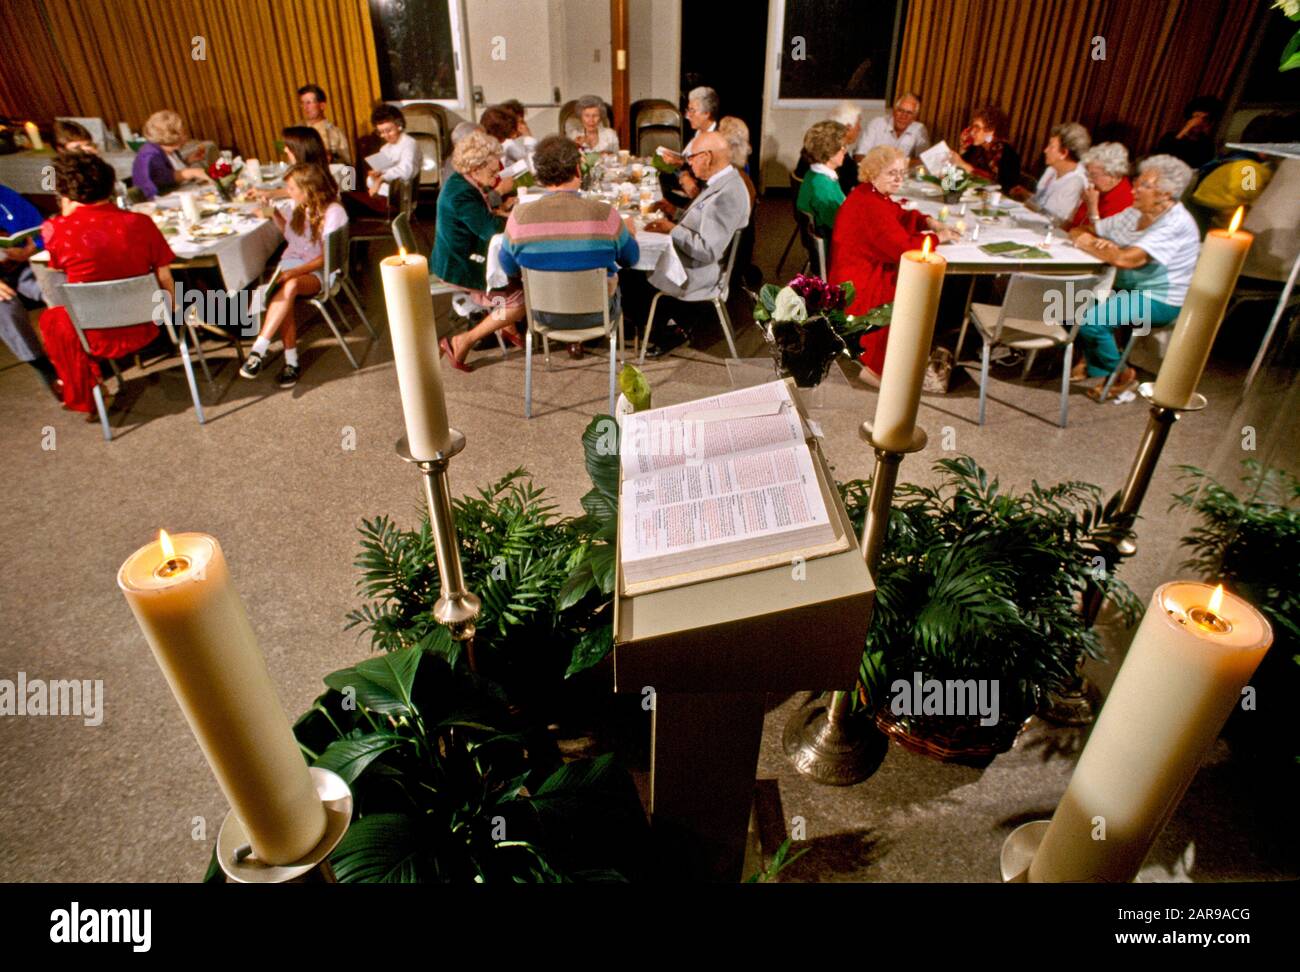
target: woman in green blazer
820 196
466 224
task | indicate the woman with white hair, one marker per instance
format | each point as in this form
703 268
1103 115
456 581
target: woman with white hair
1109 190
1154 244
1061 185
594 135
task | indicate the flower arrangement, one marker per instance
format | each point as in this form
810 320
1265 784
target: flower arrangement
806 326
591 169
223 176
954 181
1291 53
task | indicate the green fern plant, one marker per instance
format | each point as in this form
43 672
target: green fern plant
977 581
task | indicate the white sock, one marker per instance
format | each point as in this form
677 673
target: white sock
260 345
291 357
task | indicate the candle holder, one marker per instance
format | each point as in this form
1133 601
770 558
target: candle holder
822 741
456 608
1161 420
234 853
1018 850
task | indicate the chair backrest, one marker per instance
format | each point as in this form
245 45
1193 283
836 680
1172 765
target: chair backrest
655 136
403 234
431 158
109 304
566 291
567 110
664 114
410 192
729 263
335 252
814 244
1050 299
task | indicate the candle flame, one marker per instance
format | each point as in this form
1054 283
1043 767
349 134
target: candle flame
1216 600
401 252
925 249
165 542
1236 219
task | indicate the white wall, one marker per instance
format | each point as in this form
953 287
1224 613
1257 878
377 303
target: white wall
654 49
584 43
783 128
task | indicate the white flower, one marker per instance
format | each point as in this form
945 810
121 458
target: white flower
1288 7
789 307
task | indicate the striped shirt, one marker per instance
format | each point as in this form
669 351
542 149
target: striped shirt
564 231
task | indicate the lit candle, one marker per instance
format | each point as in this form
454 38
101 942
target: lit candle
1215 277
34 136
943 214
180 591
1195 650
415 351
907 350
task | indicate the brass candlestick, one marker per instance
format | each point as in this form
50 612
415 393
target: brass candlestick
1162 419
456 608
822 741
234 853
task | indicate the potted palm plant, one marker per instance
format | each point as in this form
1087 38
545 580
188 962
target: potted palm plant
979 587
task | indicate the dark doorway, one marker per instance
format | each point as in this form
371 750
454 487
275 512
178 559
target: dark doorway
727 52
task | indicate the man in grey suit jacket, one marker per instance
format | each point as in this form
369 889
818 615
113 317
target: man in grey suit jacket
704 229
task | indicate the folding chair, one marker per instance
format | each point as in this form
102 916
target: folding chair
718 299
568 292
125 303
1022 323
335 251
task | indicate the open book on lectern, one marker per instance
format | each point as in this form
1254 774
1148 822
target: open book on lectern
719 486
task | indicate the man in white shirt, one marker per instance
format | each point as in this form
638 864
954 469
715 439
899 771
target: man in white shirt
899 129
1063 182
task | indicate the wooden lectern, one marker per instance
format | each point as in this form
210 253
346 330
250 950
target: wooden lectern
708 654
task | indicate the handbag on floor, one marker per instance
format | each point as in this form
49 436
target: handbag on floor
938 372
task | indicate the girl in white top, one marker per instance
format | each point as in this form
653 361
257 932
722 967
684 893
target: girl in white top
306 218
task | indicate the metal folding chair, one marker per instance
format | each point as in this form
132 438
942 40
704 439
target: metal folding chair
718 299
568 292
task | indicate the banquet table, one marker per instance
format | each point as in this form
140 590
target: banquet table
240 256
25 171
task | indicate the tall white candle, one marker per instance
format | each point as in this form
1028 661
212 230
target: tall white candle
907 350
1179 683
190 206
415 351
193 619
1213 280
34 136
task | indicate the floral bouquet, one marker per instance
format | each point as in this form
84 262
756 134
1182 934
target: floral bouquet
807 327
954 181
592 169
223 176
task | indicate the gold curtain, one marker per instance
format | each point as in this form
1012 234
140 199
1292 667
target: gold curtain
230 67
33 84
1035 60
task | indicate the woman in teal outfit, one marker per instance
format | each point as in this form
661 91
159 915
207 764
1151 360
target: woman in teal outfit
820 196
466 224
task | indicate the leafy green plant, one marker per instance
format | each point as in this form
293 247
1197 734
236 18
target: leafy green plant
780 861
546 582
449 786
1252 540
977 581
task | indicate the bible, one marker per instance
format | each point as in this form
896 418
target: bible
720 486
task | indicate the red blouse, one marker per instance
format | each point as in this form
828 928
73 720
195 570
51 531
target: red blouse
101 242
872 232
1115 200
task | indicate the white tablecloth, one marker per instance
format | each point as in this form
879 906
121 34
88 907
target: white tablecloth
25 171
241 257
1022 226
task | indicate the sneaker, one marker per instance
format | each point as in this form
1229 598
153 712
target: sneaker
252 366
288 376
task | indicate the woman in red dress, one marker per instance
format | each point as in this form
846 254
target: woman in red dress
91 241
872 232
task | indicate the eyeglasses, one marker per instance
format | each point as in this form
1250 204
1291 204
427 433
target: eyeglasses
692 155
905 111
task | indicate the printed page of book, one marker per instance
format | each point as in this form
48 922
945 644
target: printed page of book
736 501
757 418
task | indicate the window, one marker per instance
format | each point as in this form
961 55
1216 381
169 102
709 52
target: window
836 49
418 46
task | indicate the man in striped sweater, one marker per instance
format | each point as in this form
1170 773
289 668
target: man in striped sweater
564 231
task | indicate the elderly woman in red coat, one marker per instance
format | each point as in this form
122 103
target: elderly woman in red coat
872 232
91 241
